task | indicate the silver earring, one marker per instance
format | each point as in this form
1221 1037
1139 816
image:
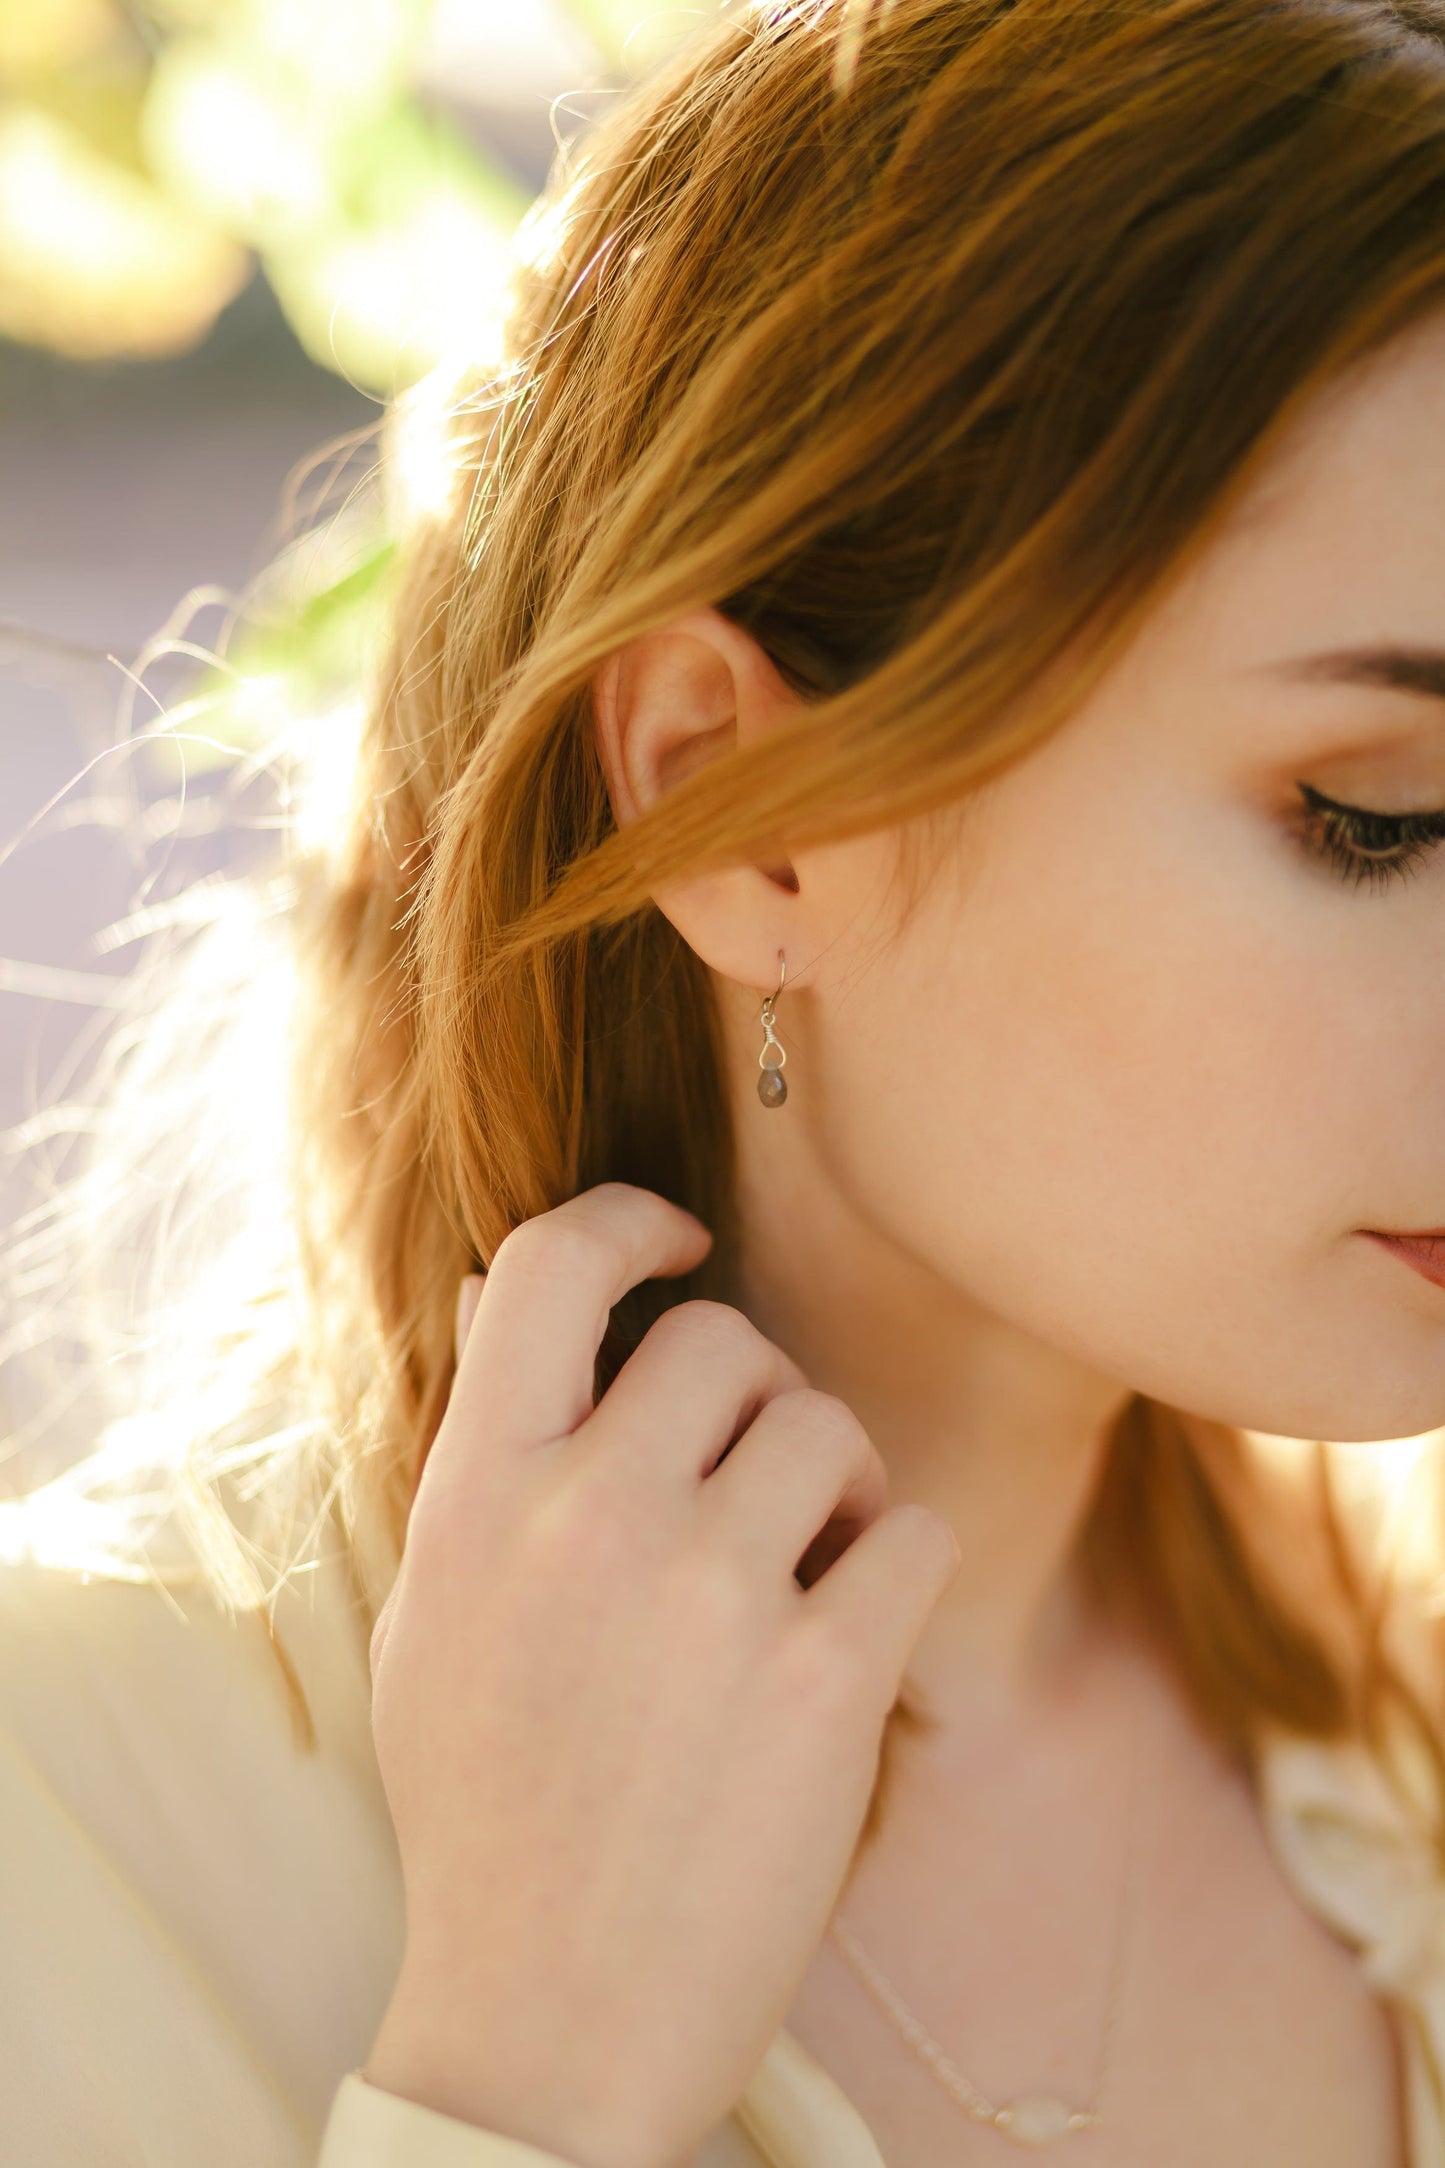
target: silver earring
772 1084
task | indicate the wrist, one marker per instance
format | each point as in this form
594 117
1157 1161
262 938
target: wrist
415 2057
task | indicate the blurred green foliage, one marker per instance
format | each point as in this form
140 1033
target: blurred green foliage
153 153
156 155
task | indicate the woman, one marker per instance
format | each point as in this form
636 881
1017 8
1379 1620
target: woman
889 945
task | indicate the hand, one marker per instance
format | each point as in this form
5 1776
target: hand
627 1753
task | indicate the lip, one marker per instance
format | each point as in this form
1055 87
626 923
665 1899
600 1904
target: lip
1424 1253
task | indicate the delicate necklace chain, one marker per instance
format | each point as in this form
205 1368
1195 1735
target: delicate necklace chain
1029 2120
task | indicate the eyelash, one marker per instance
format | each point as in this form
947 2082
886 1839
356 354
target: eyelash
1369 847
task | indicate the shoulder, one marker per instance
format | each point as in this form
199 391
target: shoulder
202 1916
108 1651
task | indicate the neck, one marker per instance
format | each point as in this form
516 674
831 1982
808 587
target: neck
998 1432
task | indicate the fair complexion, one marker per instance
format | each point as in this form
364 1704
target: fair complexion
1108 1112
625 1752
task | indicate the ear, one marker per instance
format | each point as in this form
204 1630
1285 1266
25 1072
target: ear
680 696
684 694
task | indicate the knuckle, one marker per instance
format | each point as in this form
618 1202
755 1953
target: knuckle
551 1244
823 1668
614 1196
720 1596
933 1540
829 1424
587 1531
714 1325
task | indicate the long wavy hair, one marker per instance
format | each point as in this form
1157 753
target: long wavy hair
926 340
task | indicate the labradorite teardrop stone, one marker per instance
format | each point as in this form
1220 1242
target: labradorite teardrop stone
772 1087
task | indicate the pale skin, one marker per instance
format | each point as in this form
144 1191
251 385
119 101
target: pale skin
1108 1111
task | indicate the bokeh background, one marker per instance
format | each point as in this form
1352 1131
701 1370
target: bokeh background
233 235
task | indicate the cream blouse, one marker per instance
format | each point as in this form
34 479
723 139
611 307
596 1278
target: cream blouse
200 1923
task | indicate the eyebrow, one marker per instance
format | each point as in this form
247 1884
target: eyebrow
1418 670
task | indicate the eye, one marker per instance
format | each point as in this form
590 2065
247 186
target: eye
1364 846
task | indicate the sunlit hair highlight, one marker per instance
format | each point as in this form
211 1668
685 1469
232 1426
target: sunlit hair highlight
928 342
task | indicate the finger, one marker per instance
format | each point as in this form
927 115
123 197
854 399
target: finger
881 1592
527 1367
696 1380
802 1480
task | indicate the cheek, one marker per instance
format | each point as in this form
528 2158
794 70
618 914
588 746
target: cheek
1162 1082
1113 1062
1122 1115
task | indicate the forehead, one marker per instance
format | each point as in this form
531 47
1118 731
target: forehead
1341 539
